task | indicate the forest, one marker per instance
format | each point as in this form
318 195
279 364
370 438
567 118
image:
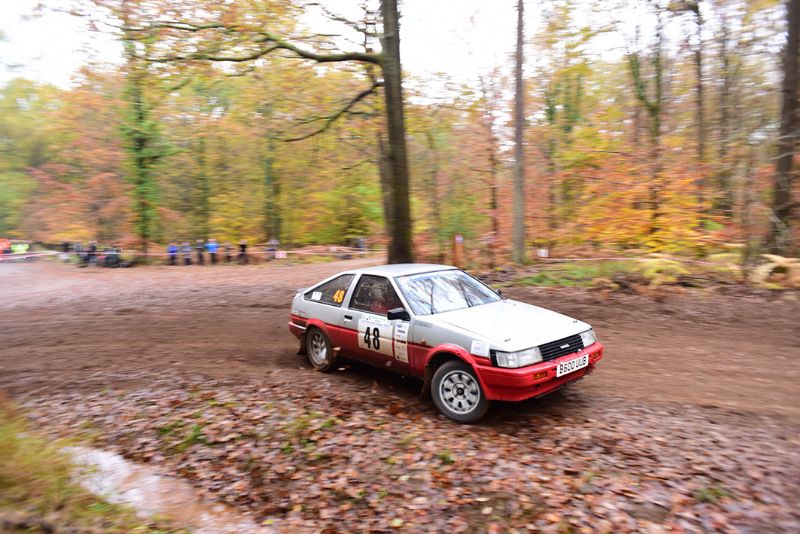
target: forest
620 175
237 120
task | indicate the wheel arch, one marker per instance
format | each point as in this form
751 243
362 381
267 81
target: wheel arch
441 355
311 324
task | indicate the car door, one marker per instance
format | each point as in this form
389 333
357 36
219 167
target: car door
372 336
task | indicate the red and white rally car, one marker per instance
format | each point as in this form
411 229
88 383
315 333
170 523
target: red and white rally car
469 344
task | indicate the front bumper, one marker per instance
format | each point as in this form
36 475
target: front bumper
536 380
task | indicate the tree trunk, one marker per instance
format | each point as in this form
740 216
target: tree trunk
140 136
553 186
142 192
386 186
203 189
748 201
551 113
725 203
494 201
518 232
490 105
654 106
400 247
701 130
782 203
272 218
637 109
637 126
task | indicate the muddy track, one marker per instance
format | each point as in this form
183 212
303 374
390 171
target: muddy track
690 422
65 327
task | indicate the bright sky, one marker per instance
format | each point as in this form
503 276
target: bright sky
460 38
48 47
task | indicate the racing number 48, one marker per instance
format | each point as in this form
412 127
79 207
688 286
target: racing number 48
372 338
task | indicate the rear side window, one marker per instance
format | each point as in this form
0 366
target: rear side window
331 292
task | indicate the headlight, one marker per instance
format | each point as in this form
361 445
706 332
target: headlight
588 338
520 358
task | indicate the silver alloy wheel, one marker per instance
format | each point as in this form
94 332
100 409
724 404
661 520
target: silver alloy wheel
318 349
459 391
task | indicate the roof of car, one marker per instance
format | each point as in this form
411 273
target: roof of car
403 269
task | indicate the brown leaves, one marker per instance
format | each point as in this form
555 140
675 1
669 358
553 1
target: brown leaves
292 456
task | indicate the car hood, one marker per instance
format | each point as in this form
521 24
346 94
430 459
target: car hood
510 325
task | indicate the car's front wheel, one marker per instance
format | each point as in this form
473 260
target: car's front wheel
319 350
457 393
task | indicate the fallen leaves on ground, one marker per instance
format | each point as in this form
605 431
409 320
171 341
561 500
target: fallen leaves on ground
308 455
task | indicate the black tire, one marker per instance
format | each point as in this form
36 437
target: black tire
319 350
457 393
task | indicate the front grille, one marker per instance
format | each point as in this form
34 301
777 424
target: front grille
555 349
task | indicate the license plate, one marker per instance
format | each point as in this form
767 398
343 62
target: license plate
569 366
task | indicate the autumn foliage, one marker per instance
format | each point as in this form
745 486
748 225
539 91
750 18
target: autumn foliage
595 182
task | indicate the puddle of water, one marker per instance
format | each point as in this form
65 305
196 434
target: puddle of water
124 482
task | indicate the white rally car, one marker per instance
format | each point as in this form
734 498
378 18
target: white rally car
468 343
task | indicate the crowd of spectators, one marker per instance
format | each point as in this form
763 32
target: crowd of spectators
211 252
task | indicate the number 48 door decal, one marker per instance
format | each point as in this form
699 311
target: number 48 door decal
372 337
377 334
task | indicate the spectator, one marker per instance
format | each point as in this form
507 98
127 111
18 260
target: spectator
187 253
243 260
172 252
212 250
82 258
64 256
272 248
228 249
200 247
112 256
91 257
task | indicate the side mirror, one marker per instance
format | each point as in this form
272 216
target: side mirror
500 292
398 313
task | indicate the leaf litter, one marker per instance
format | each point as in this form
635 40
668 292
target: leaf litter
303 455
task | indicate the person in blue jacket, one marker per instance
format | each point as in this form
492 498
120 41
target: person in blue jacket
172 252
212 246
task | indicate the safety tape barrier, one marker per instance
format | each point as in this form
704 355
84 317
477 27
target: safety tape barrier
277 254
235 253
26 255
633 258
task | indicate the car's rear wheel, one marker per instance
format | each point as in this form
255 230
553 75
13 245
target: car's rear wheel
457 393
319 350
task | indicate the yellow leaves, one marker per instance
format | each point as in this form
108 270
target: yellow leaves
660 270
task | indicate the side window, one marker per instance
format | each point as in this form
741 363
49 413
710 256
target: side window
375 294
331 292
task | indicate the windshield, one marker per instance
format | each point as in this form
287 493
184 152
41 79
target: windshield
443 291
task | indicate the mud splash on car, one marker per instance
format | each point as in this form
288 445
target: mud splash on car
149 493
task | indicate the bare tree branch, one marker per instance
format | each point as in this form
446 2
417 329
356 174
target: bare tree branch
269 41
357 26
210 57
356 165
346 109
